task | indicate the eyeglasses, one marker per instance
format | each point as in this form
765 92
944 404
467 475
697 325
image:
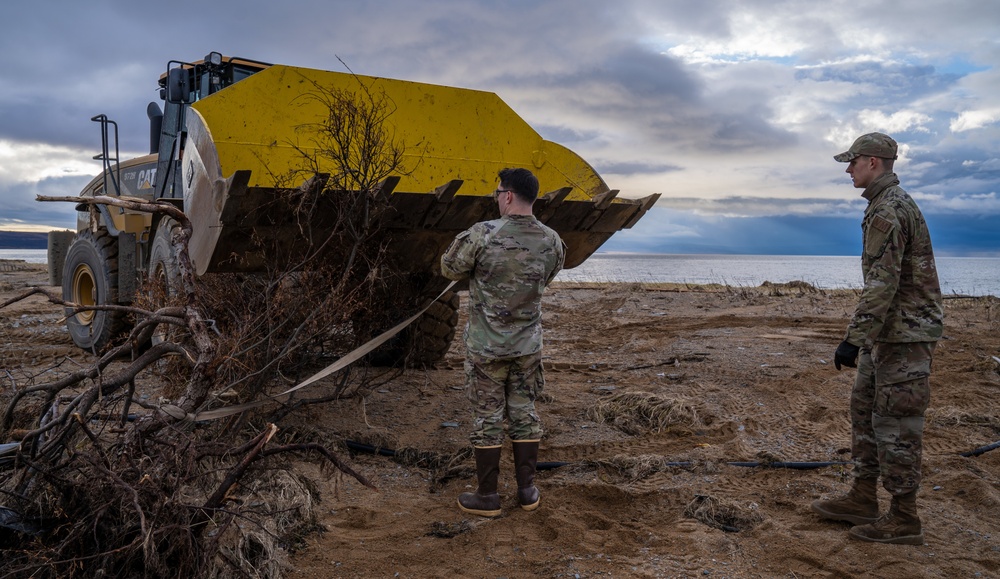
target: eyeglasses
496 194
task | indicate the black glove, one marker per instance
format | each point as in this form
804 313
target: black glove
846 354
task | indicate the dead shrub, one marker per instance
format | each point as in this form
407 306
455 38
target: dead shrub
796 287
637 413
723 514
108 483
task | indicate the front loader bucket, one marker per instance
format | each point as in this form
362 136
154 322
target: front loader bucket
245 138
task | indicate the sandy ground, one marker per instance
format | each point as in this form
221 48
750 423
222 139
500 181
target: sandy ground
727 376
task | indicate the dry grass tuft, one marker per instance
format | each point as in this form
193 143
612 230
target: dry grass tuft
951 416
794 287
638 413
723 514
284 508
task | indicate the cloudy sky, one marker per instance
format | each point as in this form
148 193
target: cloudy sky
732 110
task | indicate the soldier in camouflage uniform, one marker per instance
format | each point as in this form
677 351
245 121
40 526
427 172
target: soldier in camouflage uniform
508 263
890 340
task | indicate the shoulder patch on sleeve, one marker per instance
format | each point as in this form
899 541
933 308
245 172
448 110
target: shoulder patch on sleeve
877 233
881 224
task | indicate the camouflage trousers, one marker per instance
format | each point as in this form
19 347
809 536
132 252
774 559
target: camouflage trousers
891 393
500 388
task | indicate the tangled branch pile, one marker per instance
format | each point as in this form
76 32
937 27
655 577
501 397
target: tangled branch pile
107 476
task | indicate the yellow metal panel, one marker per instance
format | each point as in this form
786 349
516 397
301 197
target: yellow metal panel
135 222
450 133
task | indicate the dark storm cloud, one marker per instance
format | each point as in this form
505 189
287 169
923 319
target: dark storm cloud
965 235
57 121
20 204
895 80
649 77
672 231
660 98
960 172
55 75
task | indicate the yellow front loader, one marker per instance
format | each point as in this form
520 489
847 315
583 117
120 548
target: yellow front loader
234 133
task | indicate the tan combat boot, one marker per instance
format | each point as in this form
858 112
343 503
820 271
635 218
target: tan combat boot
859 506
485 501
525 460
900 526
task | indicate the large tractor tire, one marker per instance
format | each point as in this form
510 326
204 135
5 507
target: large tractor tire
90 278
426 340
59 242
434 331
165 276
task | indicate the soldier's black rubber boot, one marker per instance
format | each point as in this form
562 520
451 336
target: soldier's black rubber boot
859 506
525 459
485 501
900 526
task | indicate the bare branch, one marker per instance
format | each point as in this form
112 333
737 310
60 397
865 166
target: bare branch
120 477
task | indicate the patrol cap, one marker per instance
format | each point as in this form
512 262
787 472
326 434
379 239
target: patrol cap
870 145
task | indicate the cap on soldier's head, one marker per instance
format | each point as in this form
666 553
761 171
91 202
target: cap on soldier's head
870 145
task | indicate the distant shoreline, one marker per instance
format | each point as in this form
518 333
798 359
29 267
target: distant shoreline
768 289
23 240
959 277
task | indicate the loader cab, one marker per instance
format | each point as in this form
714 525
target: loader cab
183 84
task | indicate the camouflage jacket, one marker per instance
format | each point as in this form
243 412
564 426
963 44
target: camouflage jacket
508 263
901 298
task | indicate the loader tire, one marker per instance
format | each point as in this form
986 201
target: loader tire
165 276
435 330
90 278
59 242
426 340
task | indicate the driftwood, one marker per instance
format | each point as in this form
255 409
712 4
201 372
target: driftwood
101 484
96 481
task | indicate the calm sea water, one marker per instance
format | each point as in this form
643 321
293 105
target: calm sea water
959 275
28 255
